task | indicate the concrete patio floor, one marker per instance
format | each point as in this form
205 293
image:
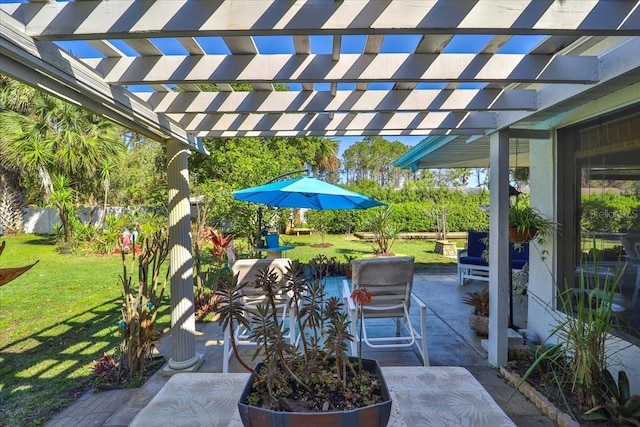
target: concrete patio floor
451 343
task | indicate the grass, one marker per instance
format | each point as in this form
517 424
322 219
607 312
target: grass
56 319
62 315
342 245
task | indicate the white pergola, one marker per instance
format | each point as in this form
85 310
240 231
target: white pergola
470 103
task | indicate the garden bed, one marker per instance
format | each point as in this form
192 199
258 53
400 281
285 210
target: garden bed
546 397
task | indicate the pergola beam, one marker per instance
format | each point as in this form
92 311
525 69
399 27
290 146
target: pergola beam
398 67
300 122
392 133
182 18
359 101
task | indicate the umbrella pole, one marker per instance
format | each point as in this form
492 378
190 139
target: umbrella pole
259 226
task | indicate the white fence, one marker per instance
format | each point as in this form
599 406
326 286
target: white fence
43 220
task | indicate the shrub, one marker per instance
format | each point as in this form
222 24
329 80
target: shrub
108 369
141 303
610 211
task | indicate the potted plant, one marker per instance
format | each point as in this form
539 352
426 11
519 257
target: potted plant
527 223
346 267
479 316
64 247
296 384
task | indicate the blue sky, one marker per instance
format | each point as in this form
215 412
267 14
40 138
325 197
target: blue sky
351 44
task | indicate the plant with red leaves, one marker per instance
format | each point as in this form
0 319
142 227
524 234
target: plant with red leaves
108 370
220 243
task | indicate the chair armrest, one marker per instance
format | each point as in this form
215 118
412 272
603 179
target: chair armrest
346 294
461 253
418 300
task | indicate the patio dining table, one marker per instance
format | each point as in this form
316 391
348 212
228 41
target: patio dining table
422 396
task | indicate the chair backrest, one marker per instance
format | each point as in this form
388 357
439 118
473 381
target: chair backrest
248 269
629 243
476 243
389 279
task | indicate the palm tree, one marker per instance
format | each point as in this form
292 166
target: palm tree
42 135
106 170
27 144
11 201
327 164
63 200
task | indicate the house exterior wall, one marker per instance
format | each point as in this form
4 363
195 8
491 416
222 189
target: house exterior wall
542 317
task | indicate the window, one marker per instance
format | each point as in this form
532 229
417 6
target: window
599 208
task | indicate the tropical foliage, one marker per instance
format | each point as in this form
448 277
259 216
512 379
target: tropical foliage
140 305
524 218
385 230
479 300
578 365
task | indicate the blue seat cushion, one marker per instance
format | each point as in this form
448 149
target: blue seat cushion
476 246
474 260
520 252
476 243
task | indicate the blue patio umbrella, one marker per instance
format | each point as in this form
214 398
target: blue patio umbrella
306 192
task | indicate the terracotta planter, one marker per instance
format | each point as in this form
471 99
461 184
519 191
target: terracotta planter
522 237
480 324
369 416
349 273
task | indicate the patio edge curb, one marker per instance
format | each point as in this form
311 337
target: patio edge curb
554 413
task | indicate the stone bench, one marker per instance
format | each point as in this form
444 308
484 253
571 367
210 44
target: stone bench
297 231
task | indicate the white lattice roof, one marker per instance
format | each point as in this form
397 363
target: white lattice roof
455 70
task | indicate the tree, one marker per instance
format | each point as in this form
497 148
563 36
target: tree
456 177
140 178
11 201
42 135
62 198
373 159
236 163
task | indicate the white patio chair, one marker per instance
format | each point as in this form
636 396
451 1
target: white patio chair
390 281
247 271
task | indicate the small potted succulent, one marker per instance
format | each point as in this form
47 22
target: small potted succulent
479 316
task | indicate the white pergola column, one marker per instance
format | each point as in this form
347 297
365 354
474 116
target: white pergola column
499 248
183 324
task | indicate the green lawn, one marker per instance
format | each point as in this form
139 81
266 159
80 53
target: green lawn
349 245
62 315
